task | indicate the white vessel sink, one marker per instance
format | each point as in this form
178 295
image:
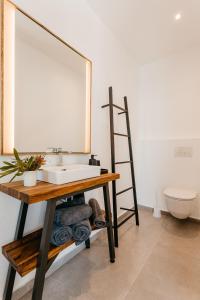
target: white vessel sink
67 173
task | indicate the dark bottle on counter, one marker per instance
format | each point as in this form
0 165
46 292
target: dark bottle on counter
93 161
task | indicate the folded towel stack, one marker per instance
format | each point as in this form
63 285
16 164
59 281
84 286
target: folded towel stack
97 218
71 221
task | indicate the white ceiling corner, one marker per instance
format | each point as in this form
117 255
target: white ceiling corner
147 27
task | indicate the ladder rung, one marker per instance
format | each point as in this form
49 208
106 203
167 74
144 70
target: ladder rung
126 219
123 162
128 209
121 134
123 112
116 106
130 188
106 105
119 107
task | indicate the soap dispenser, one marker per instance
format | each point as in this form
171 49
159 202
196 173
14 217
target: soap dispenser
93 161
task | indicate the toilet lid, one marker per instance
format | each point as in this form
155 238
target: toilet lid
180 193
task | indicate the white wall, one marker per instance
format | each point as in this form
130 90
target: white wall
169 117
76 23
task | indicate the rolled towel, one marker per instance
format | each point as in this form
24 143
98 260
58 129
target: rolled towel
97 218
72 215
73 201
81 231
60 235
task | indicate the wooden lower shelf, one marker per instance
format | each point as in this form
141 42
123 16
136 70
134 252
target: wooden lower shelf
22 254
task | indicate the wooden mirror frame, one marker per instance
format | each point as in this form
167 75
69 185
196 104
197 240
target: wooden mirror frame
7 8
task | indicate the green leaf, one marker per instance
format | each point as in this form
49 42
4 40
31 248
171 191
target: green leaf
16 155
13 177
8 163
6 168
21 166
30 162
7 172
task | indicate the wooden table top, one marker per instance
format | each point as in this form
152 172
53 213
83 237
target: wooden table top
47 191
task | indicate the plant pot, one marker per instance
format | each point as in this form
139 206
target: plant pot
30 178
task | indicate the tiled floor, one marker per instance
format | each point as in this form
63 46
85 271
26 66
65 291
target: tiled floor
160 260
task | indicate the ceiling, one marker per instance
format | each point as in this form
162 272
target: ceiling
147 27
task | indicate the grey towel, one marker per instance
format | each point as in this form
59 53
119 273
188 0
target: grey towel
72 201
97 218
72 215
81 231
60 235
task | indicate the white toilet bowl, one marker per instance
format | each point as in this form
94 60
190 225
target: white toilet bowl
179 202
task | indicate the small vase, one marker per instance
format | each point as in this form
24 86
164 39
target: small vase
30 178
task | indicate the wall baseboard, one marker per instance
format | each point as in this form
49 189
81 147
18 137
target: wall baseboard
140 206
165 212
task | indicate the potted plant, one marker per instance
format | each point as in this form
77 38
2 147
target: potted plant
27 166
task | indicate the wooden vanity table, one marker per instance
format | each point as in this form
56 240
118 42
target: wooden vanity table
32 251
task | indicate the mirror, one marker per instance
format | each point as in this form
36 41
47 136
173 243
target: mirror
47 89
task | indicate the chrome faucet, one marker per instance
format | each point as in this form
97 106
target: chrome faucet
59 152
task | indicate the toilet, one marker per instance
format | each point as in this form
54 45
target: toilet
179 201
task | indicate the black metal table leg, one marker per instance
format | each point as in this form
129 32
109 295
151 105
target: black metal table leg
109 222
10 279
43 253
115 220
87 243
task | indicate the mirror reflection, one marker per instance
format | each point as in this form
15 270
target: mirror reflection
51 92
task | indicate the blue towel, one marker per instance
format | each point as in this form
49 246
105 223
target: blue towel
60 235
72 215
81 231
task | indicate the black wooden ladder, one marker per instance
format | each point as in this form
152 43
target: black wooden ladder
133 211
